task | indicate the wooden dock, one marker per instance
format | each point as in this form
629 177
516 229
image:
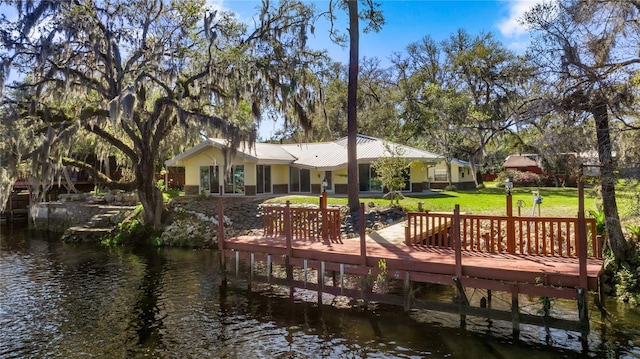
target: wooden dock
444 256
17 206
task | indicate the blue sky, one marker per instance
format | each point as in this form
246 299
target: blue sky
409 21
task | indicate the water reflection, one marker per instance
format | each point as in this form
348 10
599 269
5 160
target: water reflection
82 300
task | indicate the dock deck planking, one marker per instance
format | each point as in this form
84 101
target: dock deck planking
526 269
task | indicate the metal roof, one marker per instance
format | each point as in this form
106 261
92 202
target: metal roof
320 155
371 148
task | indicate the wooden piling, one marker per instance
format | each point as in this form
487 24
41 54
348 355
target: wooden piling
221 236
407 291
515 312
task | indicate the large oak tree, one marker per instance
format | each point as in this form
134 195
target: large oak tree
131 75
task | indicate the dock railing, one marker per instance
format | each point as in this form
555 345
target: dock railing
306 223
546 236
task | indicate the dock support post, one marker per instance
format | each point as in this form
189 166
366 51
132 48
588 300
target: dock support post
341 278
463 301
305 264
237 264
515 312
407 291
287 259
289 271
364 279
582 238
583 310
269 271
221 238
546 307
600 297
251 268
489 298
320 282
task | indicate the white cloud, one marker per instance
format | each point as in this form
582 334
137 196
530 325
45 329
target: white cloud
216 5
510 26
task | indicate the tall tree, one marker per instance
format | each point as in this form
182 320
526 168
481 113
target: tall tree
130 74
375 20
352 112
589 52
494 79
433 108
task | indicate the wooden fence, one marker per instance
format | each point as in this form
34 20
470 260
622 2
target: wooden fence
306 223
548 236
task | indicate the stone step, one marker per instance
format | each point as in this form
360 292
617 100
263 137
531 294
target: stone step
80 229
83 234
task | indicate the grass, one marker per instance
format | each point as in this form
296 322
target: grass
556 202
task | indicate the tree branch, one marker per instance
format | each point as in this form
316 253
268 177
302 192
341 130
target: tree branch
100 177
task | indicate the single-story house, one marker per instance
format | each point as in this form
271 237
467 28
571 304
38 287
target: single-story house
269 168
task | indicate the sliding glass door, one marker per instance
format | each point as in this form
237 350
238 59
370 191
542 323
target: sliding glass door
209 179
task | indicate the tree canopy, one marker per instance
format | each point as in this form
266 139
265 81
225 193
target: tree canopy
129 76
588 52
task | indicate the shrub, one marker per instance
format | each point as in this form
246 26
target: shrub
132 231
598 214
519 179
634 232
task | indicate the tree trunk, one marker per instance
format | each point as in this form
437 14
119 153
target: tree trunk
352 124
473 164
617 242
148 192
474 171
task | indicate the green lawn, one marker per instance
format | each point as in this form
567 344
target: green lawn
557 202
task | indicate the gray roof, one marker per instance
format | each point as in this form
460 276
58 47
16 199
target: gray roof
320 155
371 148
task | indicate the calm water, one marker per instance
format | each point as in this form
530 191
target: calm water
77 301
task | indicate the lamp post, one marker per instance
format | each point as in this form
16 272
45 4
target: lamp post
511 232
508 185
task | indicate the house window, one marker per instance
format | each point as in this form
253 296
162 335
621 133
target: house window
209 179
234 180
299 180
263 179
440 175
368 178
